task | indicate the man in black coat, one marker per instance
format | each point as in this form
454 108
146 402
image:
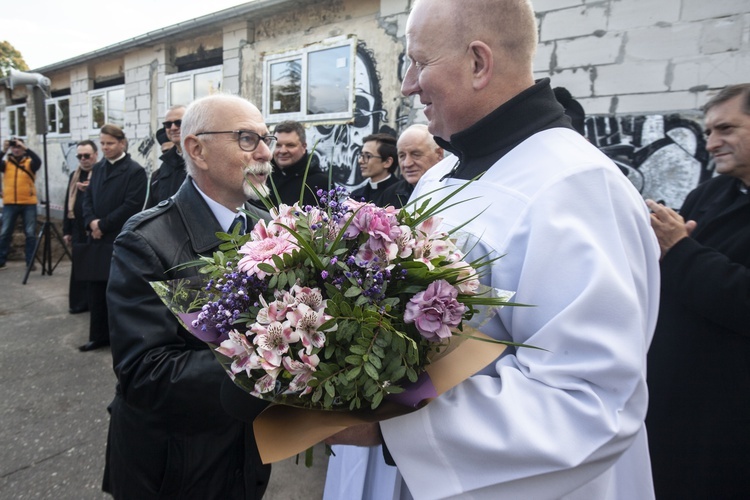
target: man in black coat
172 433
169 177
699 362
290 162
74 227
378 162
116 192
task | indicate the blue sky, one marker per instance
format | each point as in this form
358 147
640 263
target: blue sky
47 32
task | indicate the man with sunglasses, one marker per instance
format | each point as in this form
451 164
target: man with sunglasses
74 227
169 177
179 427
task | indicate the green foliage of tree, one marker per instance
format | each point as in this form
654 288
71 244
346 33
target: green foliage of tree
10 57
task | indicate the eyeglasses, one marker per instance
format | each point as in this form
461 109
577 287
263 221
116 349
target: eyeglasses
84 155
367 157
168 125
247 140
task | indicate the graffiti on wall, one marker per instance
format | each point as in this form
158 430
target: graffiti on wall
338 145
664 156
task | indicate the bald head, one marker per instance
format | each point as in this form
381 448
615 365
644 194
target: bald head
482 50
417 152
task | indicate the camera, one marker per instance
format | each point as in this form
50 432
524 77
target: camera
13 142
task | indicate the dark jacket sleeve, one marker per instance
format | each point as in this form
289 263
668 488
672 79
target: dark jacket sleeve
36 162
708 283
158 365
134 197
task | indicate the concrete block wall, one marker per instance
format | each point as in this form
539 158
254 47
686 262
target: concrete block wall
632 48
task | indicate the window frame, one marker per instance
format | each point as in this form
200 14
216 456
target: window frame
104 91
185 75
13 129
303 55
58 113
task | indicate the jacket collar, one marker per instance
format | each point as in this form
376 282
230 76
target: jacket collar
199 220
173 159
481 145
298 169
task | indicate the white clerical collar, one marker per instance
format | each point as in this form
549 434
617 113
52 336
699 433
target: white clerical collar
222 213
374 185
112 162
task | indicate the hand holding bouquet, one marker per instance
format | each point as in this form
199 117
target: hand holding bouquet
339 306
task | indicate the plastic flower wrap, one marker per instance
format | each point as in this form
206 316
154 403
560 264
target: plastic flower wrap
337 307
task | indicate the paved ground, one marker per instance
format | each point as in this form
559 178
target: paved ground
53 399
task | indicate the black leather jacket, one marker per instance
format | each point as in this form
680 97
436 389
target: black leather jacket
167 180
170 434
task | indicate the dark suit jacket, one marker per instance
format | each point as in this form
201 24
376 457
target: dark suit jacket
699 362
170 436
116 192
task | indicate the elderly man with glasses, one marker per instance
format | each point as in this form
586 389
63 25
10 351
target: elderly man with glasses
174 430
169 177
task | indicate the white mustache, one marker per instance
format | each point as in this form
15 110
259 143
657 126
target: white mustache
259 168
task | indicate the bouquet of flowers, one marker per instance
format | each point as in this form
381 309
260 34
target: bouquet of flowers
339 306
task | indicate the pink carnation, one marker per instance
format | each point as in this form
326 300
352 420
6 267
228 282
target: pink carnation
435 311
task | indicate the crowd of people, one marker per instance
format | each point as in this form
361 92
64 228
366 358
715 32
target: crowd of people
641 311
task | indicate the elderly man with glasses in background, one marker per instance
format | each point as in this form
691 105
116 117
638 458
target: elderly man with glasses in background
169 177
179 427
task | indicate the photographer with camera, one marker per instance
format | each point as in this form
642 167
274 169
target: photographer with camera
19 167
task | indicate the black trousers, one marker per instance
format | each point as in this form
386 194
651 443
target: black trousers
78 294
99 326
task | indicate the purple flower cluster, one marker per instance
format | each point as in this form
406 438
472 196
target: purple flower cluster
229 297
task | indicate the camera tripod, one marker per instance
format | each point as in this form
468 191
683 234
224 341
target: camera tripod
44 238
47 228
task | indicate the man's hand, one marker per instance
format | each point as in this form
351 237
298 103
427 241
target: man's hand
668 225
358 435
68 239
96 233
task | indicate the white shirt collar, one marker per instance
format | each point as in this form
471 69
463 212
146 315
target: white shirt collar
112 162
374 185
222 213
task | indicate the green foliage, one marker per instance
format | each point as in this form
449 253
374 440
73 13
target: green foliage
10 58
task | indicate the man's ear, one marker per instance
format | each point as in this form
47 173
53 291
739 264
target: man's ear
482 61
389 164
194 148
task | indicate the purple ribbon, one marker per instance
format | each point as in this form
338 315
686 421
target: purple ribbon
417 393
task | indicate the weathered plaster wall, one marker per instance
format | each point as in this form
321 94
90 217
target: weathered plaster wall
377 99
641 68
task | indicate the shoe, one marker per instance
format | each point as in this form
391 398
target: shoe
3 267
77 310
91 345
